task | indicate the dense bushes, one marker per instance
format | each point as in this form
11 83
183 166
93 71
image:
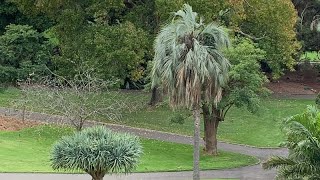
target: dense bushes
23 52
115 37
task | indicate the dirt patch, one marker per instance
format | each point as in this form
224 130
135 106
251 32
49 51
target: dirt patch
12 124
295 83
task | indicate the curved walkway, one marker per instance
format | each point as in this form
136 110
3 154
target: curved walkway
249 172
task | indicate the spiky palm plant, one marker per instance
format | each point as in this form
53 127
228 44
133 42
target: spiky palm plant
97 151
189 65
303 134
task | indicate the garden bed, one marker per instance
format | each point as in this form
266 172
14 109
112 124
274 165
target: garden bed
12 124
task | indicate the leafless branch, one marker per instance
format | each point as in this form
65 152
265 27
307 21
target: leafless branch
79 99
250 36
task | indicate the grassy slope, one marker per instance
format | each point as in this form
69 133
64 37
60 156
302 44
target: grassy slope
261 129
29 151
240 126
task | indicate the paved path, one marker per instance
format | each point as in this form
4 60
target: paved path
246 173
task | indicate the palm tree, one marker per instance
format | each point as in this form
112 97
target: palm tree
303 134
97 151
189 66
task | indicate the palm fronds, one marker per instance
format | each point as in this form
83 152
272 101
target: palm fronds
188 61
303 133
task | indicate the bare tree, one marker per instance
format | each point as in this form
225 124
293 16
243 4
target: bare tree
78 99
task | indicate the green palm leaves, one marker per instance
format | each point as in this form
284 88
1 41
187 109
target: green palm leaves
303 133
188 61
97 151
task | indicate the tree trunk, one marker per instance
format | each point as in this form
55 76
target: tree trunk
196 144
97 176
23 112
156 96
211 123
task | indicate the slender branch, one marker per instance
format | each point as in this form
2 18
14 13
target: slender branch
247 3
302 14
250 36
224 113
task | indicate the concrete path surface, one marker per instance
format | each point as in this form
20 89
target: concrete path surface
245 173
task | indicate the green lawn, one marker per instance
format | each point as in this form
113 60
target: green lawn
313 56
28 150
261 129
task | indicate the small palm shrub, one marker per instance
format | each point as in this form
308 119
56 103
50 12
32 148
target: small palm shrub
303 134
97 151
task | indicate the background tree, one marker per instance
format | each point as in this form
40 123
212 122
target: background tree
10 14
23 51
97 151
243 89
272 23
94 33
308 12
302 133
190 66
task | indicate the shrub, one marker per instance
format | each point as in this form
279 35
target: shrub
177 118
97 151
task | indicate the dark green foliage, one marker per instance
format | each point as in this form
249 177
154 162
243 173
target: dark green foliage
303 135
113 51
178 118
10 14
308 11
318 100
23 51
97 151
81 28
165 10
7 11
97 34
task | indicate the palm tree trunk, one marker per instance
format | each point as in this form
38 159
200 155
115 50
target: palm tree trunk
97 176
196 144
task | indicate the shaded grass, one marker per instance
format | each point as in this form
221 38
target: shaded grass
29 150
240 126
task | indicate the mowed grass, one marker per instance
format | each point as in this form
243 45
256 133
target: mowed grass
29 150
261 129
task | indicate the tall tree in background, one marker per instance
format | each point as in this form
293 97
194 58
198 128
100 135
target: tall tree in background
190 66
271 24
308 23
94 33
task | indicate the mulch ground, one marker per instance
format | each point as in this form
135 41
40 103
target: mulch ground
293 83
12 124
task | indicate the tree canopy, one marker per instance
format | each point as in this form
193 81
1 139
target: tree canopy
81 27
